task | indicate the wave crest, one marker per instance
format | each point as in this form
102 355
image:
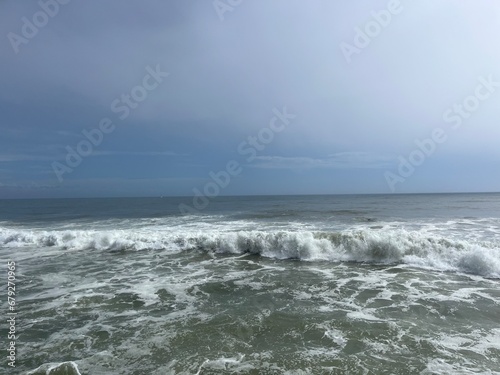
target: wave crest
415 248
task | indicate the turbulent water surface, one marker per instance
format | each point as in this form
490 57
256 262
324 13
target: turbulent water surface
403 284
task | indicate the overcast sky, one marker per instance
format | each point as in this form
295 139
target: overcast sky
352 116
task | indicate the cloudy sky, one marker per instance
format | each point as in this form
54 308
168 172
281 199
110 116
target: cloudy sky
181 85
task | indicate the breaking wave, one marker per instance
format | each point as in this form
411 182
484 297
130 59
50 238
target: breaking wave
414 248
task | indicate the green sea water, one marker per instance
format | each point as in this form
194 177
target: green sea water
256 285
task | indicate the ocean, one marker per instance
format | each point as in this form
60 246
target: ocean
366 284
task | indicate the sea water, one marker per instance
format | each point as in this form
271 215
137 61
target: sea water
369 284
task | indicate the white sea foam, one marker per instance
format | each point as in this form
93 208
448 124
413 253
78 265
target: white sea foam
389 246
69 368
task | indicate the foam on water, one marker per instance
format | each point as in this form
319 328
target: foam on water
212 303
65 368
388 246
242 290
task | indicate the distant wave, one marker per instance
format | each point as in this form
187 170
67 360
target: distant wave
386 246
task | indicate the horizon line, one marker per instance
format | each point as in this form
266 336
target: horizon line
258 195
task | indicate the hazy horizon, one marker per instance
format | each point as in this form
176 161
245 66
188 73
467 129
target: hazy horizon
264 195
